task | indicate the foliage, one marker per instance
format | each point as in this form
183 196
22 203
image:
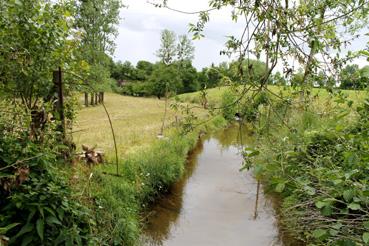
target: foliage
145 69
35 40
189 77
123 71
318 169
145 176
185 49
171 50
247 71
167 50
36 198
354 78
165 79
140 89
228 105
97 20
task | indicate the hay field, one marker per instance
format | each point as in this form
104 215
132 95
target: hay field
136 121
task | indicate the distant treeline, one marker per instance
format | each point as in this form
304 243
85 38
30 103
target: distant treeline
152 79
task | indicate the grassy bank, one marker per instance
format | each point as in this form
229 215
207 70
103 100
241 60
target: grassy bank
148 167
317 166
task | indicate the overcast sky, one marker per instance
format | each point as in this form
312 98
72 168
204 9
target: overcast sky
141 24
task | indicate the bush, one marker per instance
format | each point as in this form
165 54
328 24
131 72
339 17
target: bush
229 105
319 169
37 206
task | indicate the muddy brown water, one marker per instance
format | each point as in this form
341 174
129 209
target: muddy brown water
214 203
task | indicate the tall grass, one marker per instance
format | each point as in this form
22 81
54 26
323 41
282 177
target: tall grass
144 175
316 166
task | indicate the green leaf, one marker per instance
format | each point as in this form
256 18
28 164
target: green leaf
27 239
280 187
253 153
348 195
319 233
3 230
52 220
366 224
40 228
337 226
354 206
333 232
327 211
320 204
310 190
366 237
26 228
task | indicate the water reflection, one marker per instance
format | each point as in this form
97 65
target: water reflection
165 212
214 203
236 135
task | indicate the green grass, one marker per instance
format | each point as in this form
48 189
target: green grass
214 95
147 165
143 176
136 121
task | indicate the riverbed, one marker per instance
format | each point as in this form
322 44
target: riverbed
214 203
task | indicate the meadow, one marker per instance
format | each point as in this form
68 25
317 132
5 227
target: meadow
214 95
137 122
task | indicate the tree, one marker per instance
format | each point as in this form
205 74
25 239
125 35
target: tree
144 69
36 38
189 77
165 80
352 77
297 79
278 79
213 76
97 19
250 71
185 49
167 51
364 71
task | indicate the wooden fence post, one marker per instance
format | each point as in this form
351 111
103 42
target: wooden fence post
58 82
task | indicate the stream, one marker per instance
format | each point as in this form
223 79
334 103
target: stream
214 203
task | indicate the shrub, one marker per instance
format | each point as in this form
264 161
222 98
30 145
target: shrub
319 169
36 207
229 105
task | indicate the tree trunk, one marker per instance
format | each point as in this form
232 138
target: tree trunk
102 97
58 81
86 99
96 99
92 99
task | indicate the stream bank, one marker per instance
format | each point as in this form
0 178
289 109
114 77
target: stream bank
214 203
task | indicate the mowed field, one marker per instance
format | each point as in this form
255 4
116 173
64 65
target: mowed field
136 121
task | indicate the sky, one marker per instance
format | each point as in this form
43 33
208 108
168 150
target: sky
141 24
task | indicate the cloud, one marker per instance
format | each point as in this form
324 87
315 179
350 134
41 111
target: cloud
139 31
141 24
